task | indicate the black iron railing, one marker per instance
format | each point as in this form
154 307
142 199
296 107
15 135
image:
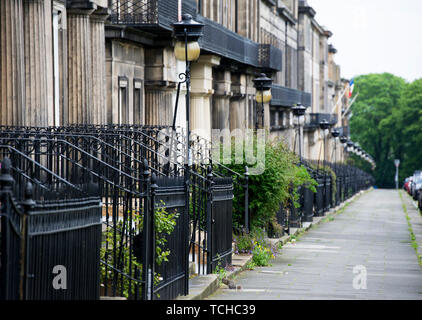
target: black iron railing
42 238
159 15
287 97
134 173
312 120
349 181
148 13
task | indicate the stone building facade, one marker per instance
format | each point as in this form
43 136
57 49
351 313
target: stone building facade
112 62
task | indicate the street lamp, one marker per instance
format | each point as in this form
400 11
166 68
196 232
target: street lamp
397 164
350 146
299 111
263 86
324 125
335 134
343 140
187 33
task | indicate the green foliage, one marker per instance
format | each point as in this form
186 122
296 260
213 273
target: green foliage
220 271
164 225
380 124
409 120
262 255
272 187
246 242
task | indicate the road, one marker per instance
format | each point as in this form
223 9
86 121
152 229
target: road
371 237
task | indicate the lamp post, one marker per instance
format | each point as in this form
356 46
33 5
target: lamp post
343 140
335 134
324 125
263 86
397 164
299 111
187 33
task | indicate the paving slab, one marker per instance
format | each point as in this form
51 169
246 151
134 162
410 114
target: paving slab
371 236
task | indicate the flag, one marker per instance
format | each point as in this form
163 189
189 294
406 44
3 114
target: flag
351 87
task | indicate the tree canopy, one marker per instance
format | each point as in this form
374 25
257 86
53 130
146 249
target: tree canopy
387 122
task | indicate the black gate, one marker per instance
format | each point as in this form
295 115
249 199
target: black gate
319 197
221 223
308 205
295 220
327 193
170 194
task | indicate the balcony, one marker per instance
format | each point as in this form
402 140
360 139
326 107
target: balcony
270 57
312 120
158 15
148 14
286 97
228 44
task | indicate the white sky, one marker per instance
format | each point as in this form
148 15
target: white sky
374 36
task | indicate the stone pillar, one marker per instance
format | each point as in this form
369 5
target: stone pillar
12 83
238 116
202 89
99 105
221 100
79 67
36 106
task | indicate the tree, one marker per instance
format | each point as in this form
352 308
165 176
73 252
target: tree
409 119
374 122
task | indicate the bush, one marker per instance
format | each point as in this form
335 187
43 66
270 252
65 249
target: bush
262 255
126 259
272 187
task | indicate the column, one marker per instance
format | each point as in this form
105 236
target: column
79 67
238 103
12 85
202 89
221 100
36 112
98 57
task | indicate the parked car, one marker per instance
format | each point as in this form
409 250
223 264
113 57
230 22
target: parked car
416 186
420 199
406 184
409 185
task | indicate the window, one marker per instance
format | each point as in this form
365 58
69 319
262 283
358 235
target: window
273 119
281 119
138 117
123 101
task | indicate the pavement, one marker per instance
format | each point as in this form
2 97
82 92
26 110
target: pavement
363 252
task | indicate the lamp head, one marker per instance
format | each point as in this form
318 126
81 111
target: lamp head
324 125
299 110
263 86
187 30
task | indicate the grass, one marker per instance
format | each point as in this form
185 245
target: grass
412 234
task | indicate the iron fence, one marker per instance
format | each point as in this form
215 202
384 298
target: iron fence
38 236
312 120
135 170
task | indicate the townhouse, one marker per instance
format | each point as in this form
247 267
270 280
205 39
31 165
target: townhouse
112 62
